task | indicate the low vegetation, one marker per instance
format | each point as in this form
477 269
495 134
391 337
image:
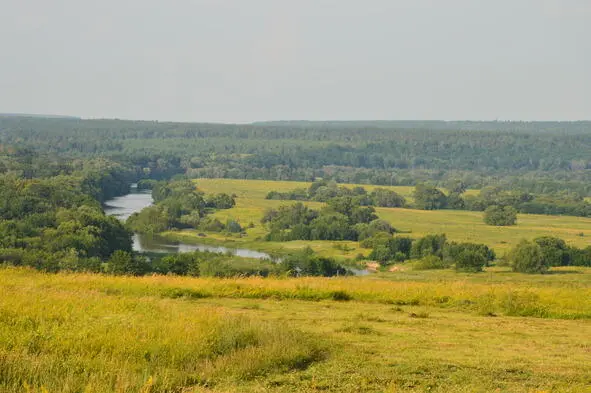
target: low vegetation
85 332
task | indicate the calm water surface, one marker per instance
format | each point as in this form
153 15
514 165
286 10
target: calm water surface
124 206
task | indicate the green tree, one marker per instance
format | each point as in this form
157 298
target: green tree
500 215
554 250
428 245
527 257
124 263
470 261
429 198
385 198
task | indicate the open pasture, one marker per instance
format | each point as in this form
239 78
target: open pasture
93 333
458 225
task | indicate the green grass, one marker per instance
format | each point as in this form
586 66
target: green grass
458 225
93 333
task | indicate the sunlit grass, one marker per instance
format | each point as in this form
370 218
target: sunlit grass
457 225
82 338
427 332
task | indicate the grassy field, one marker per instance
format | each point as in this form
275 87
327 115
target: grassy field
457 225
426 332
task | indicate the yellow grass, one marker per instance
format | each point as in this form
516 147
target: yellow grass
458 225
93 333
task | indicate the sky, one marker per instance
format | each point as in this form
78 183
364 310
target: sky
254 60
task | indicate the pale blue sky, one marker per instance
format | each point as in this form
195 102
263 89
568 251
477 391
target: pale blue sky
241 61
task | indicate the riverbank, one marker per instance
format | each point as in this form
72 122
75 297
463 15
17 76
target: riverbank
344 251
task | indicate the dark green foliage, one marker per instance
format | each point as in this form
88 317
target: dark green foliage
391 249
429 198
335 196
430 262
554 251
87 230
180 205
55 173
233 226
455 201
306 263
125 263
452 251
146 184
538 157
152 219
374 240
51 217
288 216
365 231
220 201
209 224
298 194
527 257
580 257
332 226
385 198
340 220
470 260
208 264
428 245
181 264
500 215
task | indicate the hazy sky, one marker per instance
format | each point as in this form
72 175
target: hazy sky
246 60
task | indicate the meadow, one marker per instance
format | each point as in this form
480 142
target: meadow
457 225
423 332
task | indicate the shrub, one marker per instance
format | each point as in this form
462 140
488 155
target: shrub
233 226
211 225
470 261
122 262
527 257
430 262
452 250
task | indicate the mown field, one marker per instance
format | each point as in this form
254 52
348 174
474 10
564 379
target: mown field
429 331
457 225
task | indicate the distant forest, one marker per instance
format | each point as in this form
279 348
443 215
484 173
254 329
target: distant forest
536 157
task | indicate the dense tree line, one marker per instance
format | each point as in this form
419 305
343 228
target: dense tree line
540 254
500 205
324 191
537 157
432 252
51 218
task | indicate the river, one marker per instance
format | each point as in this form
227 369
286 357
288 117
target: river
124 206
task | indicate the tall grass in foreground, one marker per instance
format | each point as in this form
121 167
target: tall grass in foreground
526 298
59 340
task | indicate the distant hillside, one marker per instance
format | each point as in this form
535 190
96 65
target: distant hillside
37 116
461 125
